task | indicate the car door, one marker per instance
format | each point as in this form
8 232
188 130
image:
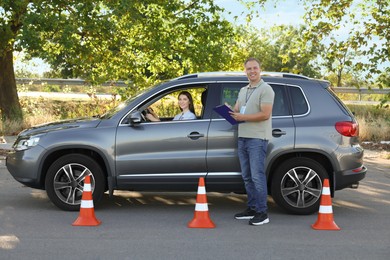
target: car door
161 155
283 126
222 160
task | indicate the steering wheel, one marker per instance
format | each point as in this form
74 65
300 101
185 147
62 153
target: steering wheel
143 115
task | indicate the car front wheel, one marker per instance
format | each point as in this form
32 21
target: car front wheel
64 181
297 185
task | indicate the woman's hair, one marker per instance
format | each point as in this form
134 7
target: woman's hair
188 95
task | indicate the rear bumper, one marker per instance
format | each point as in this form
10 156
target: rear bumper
345 179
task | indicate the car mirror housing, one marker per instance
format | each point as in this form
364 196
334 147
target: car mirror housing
135 118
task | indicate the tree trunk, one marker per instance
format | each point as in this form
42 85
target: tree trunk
9 101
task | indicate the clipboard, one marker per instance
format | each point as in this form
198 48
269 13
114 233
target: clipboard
224 110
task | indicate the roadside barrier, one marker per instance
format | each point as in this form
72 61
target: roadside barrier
201 216
87 213
325 219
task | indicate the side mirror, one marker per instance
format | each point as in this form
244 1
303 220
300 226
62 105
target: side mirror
135 118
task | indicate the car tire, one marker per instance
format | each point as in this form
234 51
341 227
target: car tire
297 185
64 182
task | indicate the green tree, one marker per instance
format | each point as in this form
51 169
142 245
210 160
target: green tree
368 37
384 79
11 22
139 41
339 59
278 50
350 79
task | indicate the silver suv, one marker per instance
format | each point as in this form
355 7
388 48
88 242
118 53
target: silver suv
314 137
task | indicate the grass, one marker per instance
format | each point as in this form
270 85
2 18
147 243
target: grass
374 122
38 111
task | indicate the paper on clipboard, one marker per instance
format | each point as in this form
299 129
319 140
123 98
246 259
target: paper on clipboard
224 110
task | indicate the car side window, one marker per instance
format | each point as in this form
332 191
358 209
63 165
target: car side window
166 106
230 94
280 107
299 102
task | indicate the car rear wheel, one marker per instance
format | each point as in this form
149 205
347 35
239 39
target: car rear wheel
297 185
64 181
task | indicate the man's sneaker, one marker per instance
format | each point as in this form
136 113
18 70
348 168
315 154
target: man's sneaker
260 218
246 214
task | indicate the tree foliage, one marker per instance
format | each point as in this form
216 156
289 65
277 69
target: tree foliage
152 40
366 47
278 49
139 41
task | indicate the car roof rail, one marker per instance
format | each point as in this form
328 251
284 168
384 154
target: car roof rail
212 74
283 75
239 73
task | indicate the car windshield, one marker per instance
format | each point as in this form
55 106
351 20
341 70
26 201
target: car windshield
123 104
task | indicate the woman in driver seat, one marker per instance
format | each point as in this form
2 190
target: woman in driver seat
186 105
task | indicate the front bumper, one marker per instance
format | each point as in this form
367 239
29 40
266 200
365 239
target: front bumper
24 166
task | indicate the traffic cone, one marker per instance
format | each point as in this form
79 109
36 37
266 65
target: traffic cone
325 215
87 213
201 216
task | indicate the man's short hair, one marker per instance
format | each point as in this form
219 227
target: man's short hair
252 59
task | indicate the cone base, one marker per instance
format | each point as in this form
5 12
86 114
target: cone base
325 222
201 223
325 226
89 221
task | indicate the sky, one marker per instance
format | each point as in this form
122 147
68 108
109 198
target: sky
288 12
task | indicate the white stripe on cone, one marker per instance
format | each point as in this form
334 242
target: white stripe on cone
87 204
326 209
201 207
325 191
201 190
87 187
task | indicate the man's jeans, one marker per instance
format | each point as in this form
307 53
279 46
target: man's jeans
252 153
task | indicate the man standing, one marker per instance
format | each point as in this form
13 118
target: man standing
254 107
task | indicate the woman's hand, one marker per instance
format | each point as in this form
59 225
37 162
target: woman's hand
151 115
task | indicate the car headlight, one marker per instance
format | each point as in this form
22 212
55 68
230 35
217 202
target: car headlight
26 143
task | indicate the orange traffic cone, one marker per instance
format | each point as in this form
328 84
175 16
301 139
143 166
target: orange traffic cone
201 216
87 213
325 215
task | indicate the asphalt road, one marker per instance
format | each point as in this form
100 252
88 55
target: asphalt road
154 226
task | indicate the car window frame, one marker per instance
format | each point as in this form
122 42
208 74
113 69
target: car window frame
154 97
285 92
289 86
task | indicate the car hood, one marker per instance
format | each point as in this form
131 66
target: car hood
61 125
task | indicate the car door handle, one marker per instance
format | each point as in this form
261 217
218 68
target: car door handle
278 133
195 135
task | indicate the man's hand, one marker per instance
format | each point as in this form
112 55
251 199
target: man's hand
237 116
264 114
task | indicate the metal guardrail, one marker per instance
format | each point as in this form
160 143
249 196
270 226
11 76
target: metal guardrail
361 90
80 82
66 82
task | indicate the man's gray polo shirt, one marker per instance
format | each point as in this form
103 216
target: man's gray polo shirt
252 98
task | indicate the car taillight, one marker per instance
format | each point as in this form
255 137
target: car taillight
347 128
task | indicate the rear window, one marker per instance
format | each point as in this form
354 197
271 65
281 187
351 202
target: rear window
340 103
299 102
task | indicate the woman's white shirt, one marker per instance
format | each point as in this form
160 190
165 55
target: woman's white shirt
185 116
